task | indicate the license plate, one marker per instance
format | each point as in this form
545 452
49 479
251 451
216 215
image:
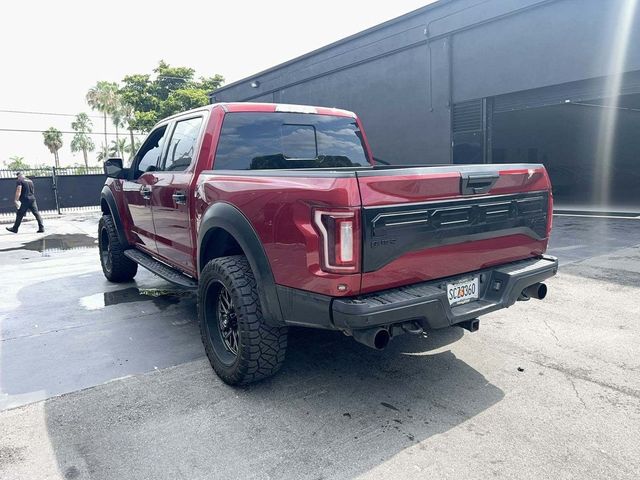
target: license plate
463 291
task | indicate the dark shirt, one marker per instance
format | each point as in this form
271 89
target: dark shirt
27 192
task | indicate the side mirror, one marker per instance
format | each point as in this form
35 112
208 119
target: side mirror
113 168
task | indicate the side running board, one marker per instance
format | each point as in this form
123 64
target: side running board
160 269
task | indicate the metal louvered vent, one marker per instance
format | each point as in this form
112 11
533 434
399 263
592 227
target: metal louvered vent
467 116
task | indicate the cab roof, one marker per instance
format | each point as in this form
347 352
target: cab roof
233 107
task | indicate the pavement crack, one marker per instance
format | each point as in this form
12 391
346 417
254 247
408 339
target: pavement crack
551 330
573 385
572 374
631 392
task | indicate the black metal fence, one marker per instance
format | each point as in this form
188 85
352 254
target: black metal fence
56 189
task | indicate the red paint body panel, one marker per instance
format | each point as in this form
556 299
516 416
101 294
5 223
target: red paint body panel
425 187
280 211
172 221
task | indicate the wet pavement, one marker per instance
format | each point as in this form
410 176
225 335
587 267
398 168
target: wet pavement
65 328
47 243
580 238
99 380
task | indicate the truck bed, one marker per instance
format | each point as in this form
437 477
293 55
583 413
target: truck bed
416 222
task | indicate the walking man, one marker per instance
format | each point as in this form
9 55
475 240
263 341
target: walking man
25 200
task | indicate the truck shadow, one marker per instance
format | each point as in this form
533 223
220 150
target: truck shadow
336 410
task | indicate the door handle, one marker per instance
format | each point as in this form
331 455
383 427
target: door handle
146 192
180 198
474 183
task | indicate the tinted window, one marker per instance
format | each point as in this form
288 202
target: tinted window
149 154
299 142
182 145
288 140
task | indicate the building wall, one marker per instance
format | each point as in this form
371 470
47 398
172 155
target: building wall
402 76
557 42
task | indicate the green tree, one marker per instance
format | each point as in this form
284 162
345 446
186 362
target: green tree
169 90
16 163
128 116
53 141
169 79
81 141
117 118
117 147
121 116
133 147
183 99
103 154
103 97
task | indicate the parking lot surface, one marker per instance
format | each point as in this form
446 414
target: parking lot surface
107 381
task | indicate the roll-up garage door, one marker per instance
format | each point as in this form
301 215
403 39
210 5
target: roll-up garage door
578 91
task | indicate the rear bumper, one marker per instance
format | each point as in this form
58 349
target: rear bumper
427 302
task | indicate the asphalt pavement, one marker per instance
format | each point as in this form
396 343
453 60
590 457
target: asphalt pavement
108 381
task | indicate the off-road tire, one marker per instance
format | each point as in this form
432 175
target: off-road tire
260 347
116 267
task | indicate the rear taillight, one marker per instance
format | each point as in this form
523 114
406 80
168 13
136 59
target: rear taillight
550 214
549 202
340 244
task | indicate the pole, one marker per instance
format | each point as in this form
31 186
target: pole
55 189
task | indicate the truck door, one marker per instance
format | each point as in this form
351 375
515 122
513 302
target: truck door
137 190
171 200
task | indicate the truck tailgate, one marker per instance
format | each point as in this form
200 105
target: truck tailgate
425 223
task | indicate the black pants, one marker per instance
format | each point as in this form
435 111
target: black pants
32 206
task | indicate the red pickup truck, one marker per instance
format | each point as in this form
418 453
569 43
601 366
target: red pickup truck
278 216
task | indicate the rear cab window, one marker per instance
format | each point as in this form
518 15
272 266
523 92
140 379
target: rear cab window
260 140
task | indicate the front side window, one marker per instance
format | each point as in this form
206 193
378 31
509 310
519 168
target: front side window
257 140
182 146
149 154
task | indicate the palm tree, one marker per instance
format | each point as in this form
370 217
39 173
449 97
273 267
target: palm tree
82 142
16 163
53 141
117 118
128 114
133 147
103 154
103 97
117 147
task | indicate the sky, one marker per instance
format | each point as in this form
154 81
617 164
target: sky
53 52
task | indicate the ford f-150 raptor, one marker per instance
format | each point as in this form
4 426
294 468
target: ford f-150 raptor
279 216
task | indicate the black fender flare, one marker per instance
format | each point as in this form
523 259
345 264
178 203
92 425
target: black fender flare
222 215
107 196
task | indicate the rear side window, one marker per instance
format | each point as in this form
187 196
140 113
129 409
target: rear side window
252 140
182 145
